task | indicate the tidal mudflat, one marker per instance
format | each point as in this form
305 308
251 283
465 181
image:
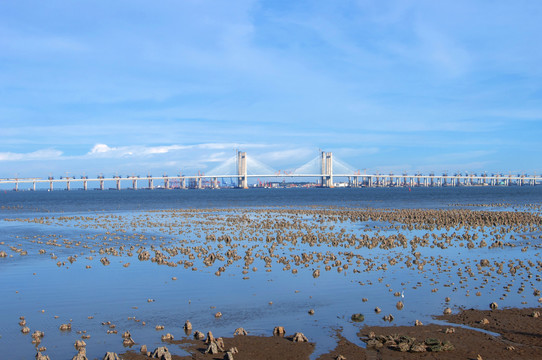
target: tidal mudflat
333 271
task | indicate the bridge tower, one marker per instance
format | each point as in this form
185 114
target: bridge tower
242 182
323 168
327 169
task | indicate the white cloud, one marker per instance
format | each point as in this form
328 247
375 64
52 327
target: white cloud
105 151
100 148
44 154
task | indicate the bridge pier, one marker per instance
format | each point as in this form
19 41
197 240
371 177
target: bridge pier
68 184
134 184
151 185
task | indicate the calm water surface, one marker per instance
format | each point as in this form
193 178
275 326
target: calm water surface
72 292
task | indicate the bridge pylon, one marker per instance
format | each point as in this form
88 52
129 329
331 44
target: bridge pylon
242 181
327 169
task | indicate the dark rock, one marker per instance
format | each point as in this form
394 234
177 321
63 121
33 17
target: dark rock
358 317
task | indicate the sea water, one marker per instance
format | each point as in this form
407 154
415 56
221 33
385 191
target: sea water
48 295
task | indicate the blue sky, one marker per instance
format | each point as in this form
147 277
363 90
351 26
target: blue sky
138 87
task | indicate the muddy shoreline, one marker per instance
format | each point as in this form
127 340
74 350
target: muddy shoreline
520 338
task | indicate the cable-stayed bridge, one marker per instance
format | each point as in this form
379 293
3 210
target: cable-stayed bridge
321 171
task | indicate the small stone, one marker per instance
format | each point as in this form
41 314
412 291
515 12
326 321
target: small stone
375 344
388 318
40 356
240 331
299 337
210 338
399 305
279 331
418 323
187 325
377 310
493 306
447 311
198 335
357 317
218 314
311 312
161 353
484 321
111 356
447 346
37 334
81 355
128 342
212 348
418 348
167 337
220 344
